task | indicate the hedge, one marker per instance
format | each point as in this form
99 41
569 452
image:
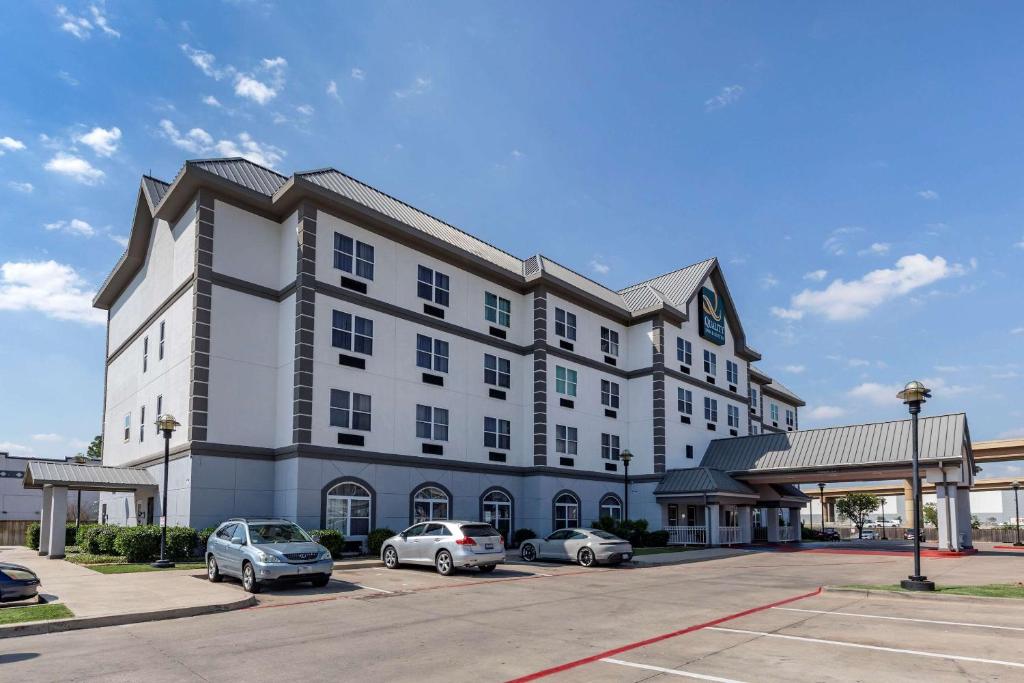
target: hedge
181 542
331 539
376 539
203 537
138 543
97 539
32 535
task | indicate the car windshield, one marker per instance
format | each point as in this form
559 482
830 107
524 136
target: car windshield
605 535
276 533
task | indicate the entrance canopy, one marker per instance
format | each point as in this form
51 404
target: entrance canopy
85 477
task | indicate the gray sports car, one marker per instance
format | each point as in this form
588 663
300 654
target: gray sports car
586 546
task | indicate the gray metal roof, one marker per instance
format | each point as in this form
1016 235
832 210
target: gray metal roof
697 480
642 297
789 491
85 477
778 388
155 189
581 282
243 172
883 443
679 286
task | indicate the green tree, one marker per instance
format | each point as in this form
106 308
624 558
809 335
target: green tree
930 514
856 507
95 450
975 522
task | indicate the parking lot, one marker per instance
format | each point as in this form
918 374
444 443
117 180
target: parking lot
758 616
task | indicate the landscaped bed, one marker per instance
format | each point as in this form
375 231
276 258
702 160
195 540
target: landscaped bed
991 590
20 615
126 568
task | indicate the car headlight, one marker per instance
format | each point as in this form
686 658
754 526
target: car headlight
268 558
325 555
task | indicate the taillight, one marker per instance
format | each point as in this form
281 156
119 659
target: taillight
465 541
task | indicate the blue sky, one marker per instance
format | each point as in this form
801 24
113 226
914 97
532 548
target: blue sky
856 170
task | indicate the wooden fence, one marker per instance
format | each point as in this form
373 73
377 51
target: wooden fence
12 531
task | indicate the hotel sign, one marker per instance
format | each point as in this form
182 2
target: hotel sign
712 317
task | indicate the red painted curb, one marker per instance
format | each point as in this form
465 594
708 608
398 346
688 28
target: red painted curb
656 639
1009 547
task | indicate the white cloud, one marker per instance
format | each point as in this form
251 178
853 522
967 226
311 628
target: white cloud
816 275
1017 330
876 248
100 20
75 226
305 109
835 243
878 394
119 239
25 188
195 141
75 168
843 300
16 449
102 141
726 96
257 91
211 101
1008 434
928 194
54 289
516 154
358 74
769 281
67 78
198 141
825 412
1019 245
599 267
206 62
858 363
78 26
787 313
9 144
418 87
50 438
332 90
941 387
794 369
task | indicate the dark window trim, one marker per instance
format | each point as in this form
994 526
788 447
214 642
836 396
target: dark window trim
554 501
345 480
420 487
512 507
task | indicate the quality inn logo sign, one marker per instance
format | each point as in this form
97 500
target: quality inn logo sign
712 317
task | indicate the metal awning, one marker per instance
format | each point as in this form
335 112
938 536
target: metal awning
85 477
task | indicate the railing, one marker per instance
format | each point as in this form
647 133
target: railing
687 535
729 535
785 533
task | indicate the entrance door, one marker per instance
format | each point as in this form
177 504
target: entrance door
497 508
149 510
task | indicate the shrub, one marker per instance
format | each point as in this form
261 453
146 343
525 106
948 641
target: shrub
522 535
138 543
70 532
32 536
203 535
81 535
332 539
97 539
376 539
181 542
656 539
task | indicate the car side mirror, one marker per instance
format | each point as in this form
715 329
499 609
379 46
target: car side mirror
404 535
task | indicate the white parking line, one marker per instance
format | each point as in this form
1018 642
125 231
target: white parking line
937 655
371 588
922 621
672 672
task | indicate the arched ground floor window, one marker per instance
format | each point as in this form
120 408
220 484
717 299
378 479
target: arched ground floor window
567 510
429 502
348 507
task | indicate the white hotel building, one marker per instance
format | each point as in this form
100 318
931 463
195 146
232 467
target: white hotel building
339 358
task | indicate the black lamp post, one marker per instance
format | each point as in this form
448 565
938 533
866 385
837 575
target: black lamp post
1016 503
625 457
821 493
881 501
166 424
914 394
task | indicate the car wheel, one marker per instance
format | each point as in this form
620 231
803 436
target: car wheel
443 562
390 558
528 553
586 557
249 582
321 581
487 568
212 570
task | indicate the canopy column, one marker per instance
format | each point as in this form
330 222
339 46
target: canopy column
44 521
58 521
713 514
772 524
746 515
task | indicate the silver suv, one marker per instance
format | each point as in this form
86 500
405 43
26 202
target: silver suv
446 545
260 550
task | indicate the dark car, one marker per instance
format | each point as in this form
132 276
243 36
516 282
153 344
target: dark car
830 534
908 535
17 582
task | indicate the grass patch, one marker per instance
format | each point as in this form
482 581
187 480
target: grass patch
19 615
141 567
659 551
89 558
991 590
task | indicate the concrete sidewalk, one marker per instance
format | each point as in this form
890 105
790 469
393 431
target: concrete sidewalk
686 556
109 599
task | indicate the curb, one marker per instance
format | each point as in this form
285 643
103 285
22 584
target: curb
925 595
360 564
75 624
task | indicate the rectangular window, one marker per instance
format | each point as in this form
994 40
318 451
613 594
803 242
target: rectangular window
565 324
497 371
353 256
497 433
775 413
565 381
432 285
789 418
352 333
159 409
753 399
431 354
733 416
142 423
145 353
565 440
753 428
431 423
609 341
710 363
497 310
350 410
685 400
710 409
127 426
610 446
689 451
732 372
160 347
609 393
684 351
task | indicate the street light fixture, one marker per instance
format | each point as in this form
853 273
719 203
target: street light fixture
625 456
166 424
1016 503
821 493
914 394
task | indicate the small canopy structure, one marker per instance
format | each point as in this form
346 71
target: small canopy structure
57 478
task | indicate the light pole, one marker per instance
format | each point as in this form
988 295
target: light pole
821 494
881 500
1016 504
914 394
166 424
625 456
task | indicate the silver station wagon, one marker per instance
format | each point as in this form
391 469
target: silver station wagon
586 546
447 545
